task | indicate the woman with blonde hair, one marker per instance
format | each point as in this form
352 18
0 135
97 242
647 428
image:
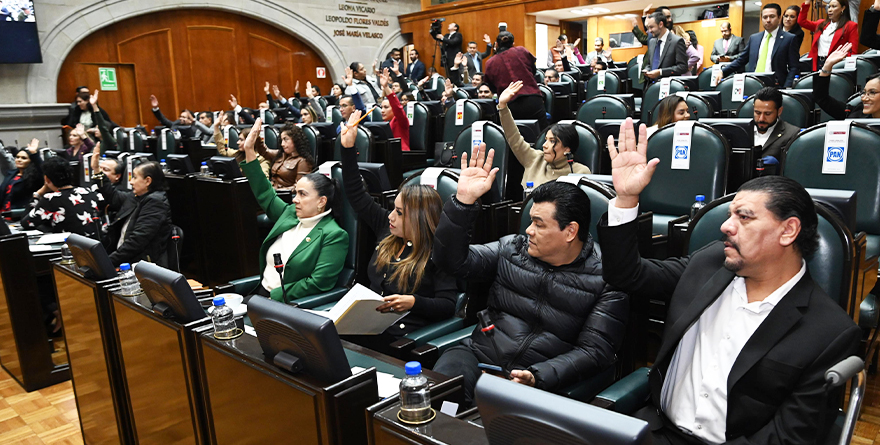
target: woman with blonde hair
401 269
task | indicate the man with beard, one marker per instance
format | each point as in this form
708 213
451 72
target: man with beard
771 132
749 335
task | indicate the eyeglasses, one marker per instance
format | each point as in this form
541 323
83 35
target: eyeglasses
868 94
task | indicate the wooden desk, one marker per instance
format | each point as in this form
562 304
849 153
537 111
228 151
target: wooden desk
247 400
157 359
92 353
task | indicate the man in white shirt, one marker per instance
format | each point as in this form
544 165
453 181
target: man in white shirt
772 133
769 51
748 333
365 85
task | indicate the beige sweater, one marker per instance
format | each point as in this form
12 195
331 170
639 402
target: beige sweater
537 170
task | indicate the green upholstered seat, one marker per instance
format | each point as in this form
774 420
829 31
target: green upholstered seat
363 144
840 87
447 183
652 95
472 113
794 110
725 86
419 131
612 85
336 116
671 192
603 106
864 69
493 136
704 79
233 138
271 137
461 94
632 71
590 147
539 77
312 137
268 117
548 97
375 114
563 77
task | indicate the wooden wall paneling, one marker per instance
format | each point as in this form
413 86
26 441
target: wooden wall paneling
269 61
72 75
153 52
123 101
574 31
213 66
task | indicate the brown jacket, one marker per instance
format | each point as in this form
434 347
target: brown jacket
284 169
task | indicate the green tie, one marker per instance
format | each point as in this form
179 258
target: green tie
762 55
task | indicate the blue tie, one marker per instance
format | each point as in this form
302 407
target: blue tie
655 60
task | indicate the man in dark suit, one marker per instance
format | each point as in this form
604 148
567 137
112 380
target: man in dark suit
451 45
771 132
771 50
389 62
475 58
416 69
728 47
748 333
667 52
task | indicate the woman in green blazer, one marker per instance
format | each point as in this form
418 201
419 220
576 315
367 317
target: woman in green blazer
312 245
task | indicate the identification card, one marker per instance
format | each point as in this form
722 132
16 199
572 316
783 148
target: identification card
131 140
836 144
226 134
430 175
164 136
715 70
639 59
681 145
87 167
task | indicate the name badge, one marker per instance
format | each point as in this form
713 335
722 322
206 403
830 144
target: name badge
459 112
739 86
600 82
664 87
477 133
328 116
835 152
851 62
681 145
410 111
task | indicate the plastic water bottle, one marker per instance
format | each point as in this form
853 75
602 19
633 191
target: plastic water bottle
530 187
221 315
415 400
164 166
204 170
128 283
699 203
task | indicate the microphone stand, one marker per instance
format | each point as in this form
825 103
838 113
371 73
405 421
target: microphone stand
279 267
488 328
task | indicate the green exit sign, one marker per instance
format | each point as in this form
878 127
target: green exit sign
108 79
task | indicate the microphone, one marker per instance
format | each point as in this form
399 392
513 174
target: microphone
488 328
279 267
570 160
844 370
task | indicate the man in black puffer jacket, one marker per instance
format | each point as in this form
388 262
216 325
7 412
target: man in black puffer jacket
556 321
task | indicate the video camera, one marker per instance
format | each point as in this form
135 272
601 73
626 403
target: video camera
436 27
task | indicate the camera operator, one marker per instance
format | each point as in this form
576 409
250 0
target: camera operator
451 43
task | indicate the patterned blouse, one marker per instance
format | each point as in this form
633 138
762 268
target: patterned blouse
68 210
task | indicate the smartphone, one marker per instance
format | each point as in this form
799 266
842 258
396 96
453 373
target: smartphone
494 370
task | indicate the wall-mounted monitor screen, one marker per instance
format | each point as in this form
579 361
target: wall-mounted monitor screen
19 41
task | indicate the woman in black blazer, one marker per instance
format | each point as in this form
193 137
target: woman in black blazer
143 222
20 183
790 25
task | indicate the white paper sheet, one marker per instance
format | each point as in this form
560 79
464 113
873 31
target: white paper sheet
53 238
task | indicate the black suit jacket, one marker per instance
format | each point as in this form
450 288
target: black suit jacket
783 61
782 135
416 71
868 35
775 389
451 47
673 58
479 57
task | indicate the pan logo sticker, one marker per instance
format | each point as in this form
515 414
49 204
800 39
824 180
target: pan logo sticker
835 154
681 152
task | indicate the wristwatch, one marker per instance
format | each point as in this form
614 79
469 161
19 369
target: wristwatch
823 70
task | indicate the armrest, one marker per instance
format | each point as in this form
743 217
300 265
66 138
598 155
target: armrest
313 301
587 389
428 353
245 286
429 332
626 395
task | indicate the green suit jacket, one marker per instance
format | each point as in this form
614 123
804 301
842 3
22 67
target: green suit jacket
315 264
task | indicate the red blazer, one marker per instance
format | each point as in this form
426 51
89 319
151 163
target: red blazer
849 33
399 123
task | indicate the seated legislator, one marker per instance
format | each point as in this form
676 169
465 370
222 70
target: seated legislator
293 161
748 334
82 114
80 143
311 244
141 230
59 206
556 321
187 124
560 143
837 107
670 109
392 112
400 269
225 150
111 170
19 184
772 133
102 129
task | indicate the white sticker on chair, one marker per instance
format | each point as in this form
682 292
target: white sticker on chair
600 81
430 176
328 117
851 62
739 86
571 179
682 94
459 112
131 139
87 167
477 133
325 168
128 167
715 70
164 136
639 59
226 134
664 88
681 145
410 111
836 144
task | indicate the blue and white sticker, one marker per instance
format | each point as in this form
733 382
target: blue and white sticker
681 145
836 146
477 133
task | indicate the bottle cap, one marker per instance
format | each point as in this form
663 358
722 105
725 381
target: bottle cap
413 368
219 301
530 184
701 198
204 163
163 160
124 266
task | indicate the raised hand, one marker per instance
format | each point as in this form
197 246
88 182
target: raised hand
569 54
630 169
647 8
80 130
96 157
153 101
266 88
349 76
233 102
375 71
385 82
276 91
395 67
93 99
348 138
488 39
33 145
508 93
296 87
449 89
634 22
576 43
221 121
837 56
477 175
249 154
309 91
458 58
424 81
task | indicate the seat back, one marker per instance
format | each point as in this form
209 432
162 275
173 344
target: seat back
794 110
603 106
704 79
233 138
539 77
612 85
854 101
831 266
349 223
268 117
632 70
363 144
447 183
270 137
322 102
375 114
671 192
419 133
802 161
472 113
589 151
134 141
864 69
652 94
698 107
599 194
725 86
461 94
121 138
840 86
313 139
567 78
493 136
548 97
